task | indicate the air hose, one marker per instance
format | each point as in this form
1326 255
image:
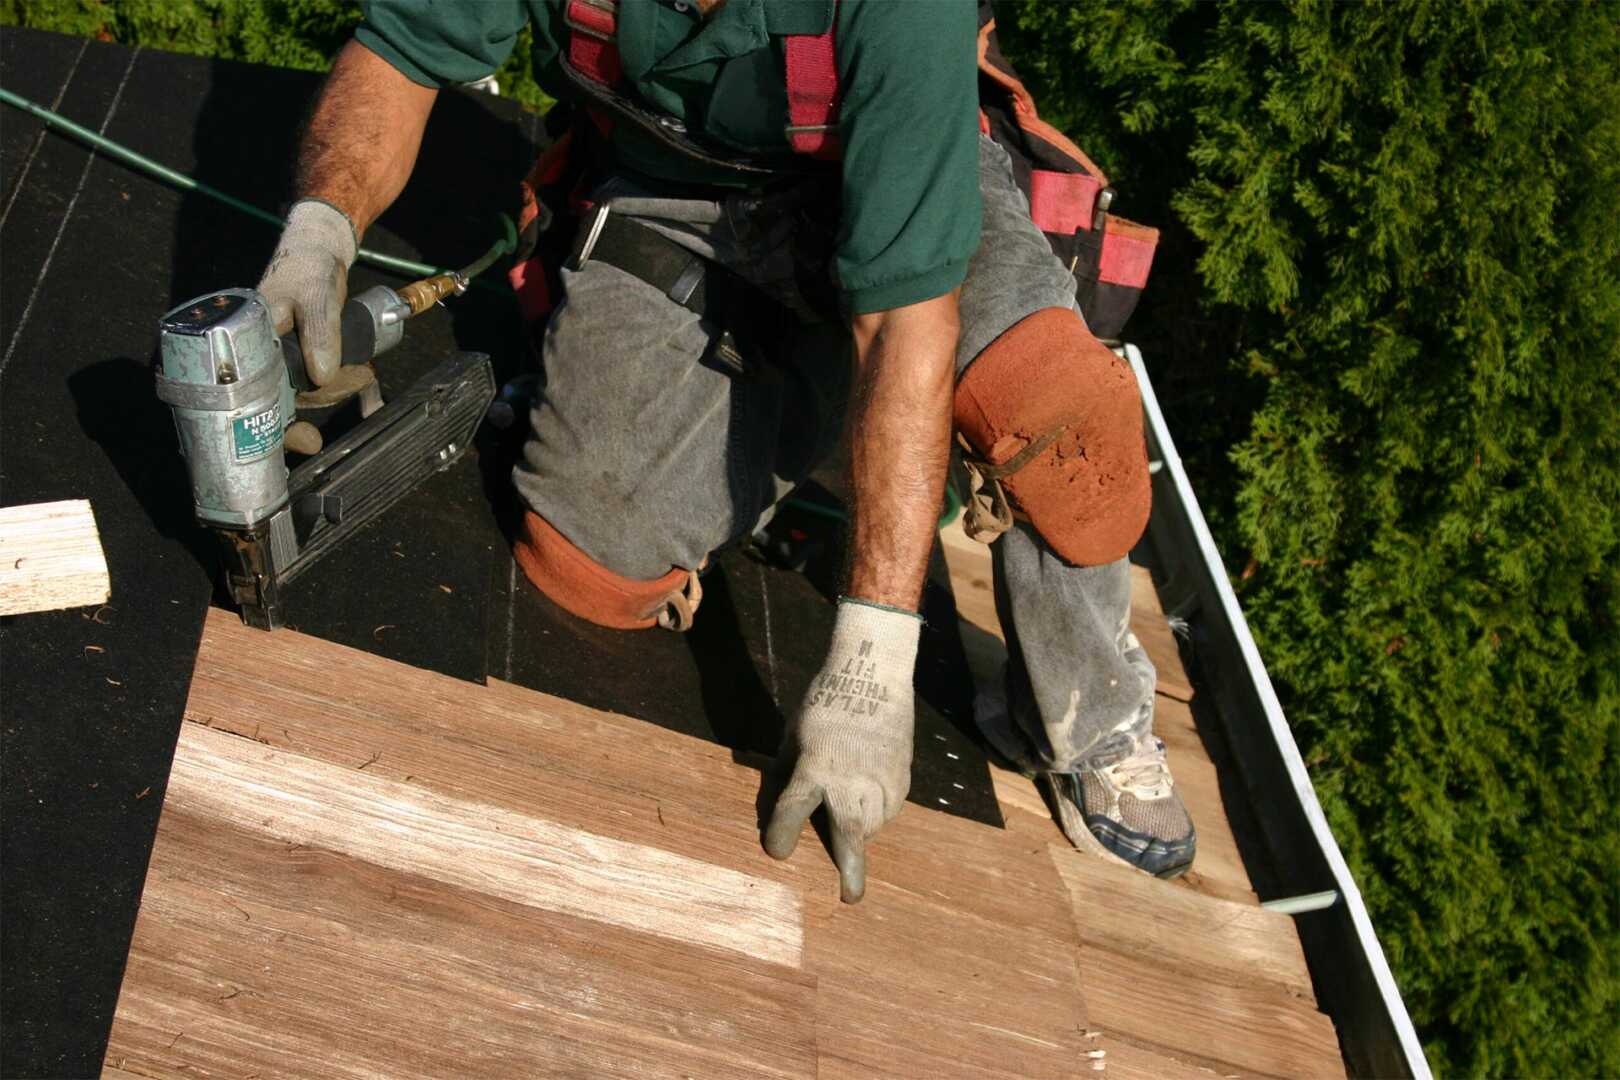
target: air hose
505 245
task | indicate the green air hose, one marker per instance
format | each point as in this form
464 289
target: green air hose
505 245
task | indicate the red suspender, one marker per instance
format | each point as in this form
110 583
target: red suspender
812 92
812 71
591 46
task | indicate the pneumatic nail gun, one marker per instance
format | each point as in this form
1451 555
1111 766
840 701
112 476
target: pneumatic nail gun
233 387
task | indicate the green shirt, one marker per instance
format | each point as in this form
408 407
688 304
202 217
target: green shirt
908 122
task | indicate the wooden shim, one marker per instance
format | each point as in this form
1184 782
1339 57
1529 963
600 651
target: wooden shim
1152 628
970 566
51 558
1015 791
254 956
1127 1061
542 756
477 846
1144 594
1209 938
959 927
1218 855
1226 1028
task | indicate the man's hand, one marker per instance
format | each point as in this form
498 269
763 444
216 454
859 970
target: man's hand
849 747
358 151
307 280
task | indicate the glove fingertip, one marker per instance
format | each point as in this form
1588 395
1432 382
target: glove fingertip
852 874
787 822
781 845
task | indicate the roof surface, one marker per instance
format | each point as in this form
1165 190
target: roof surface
363 864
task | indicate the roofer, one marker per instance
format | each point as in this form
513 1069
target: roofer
752 279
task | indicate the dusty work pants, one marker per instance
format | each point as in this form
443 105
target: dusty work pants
647 455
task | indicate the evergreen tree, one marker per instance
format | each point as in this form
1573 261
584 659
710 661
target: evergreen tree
1406 230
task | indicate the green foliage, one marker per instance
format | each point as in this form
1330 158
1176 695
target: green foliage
1405 224
304 34
1385 320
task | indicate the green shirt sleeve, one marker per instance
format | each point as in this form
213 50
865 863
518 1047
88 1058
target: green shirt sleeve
438 43
910 132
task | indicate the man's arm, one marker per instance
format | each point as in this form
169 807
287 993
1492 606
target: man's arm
900 431
363 138
849 747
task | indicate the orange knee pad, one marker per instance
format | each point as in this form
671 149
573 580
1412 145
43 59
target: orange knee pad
582 586
1048 390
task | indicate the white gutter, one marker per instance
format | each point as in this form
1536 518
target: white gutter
1281 734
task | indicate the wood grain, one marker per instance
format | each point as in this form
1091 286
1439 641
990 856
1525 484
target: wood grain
258 956
962 959
1205 878
545 757
1227 1028
1208 938
1219 868
1127 1061
364 864
51 558
524 859
1165 651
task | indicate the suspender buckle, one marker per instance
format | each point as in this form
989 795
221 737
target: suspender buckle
590 234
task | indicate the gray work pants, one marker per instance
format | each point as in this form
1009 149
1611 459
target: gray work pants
647 455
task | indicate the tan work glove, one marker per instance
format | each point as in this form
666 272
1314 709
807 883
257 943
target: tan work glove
308 280
850 744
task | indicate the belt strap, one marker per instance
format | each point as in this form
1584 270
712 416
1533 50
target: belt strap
684 277
706 289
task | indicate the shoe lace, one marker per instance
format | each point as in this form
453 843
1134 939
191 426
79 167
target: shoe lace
1144 773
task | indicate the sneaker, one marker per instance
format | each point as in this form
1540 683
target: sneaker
1130 807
